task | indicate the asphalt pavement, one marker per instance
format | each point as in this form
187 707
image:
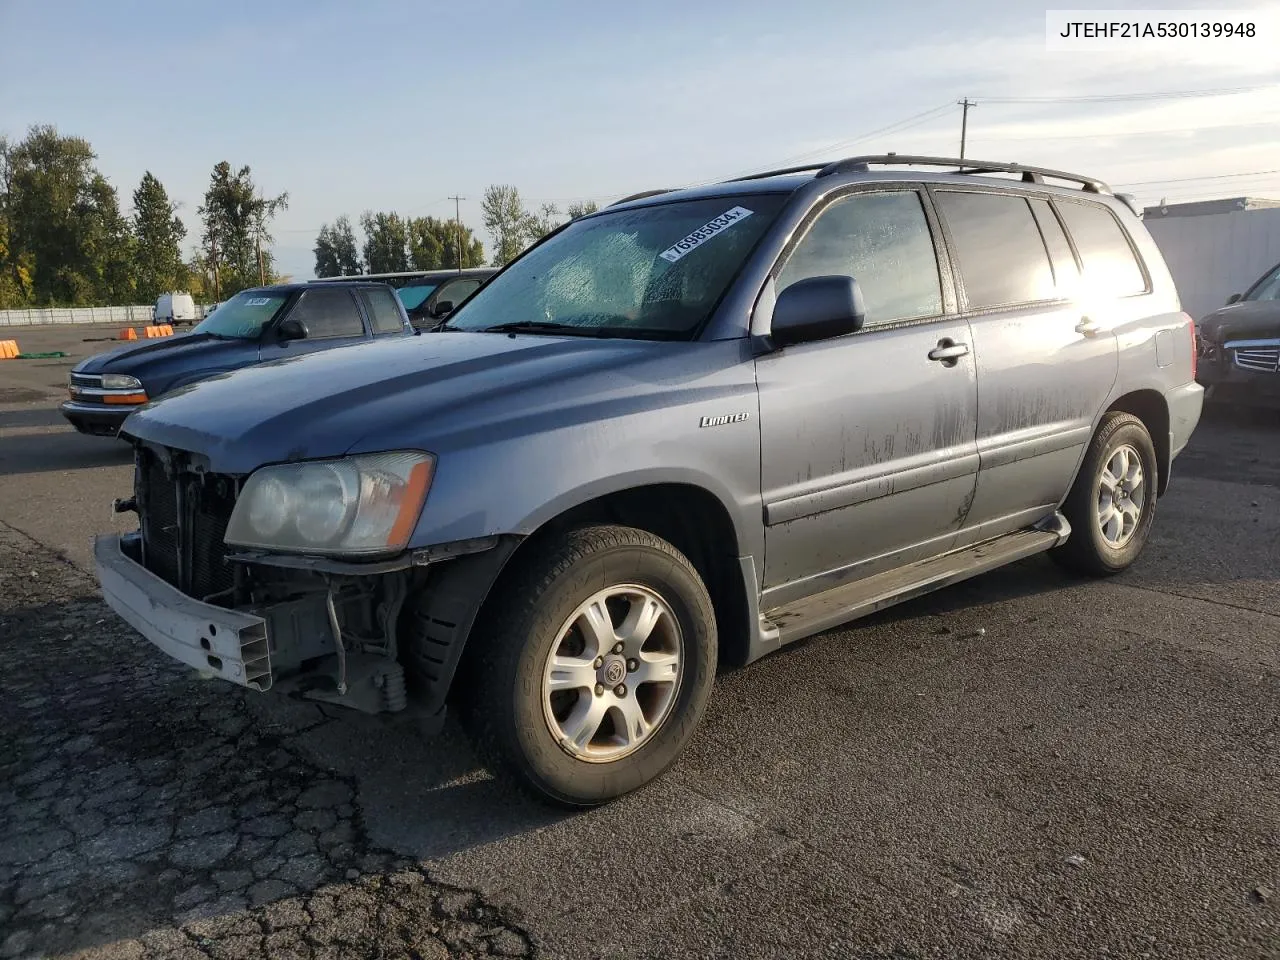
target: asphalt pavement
1026 765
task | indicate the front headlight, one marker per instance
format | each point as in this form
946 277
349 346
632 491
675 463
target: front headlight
366 504
118 381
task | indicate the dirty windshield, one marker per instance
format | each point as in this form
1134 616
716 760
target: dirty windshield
243 316
652 272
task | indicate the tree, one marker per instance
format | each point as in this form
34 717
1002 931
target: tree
199 279
386 242
236 241
433 245
507 222
538 225
158 233
335 250
66 240
109 247
15 279
15 275
580 209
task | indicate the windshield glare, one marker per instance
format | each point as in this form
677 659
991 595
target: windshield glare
655 271
1268 288
412 297
243 316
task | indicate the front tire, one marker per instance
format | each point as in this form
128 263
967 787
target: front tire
1112 503
587 676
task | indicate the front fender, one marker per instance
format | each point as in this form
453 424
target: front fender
515 486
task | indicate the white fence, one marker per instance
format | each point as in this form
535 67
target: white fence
1215 255
126 316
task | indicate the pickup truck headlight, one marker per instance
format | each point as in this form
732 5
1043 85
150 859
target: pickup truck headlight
366 504
118 381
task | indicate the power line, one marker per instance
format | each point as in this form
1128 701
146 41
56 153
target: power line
895 127
1102 135
1218 176
1128 97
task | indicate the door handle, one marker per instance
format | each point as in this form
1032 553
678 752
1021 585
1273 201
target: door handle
1087 327
948 351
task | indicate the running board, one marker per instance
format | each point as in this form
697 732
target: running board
822 611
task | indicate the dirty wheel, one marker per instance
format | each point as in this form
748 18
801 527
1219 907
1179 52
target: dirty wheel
1112 504
589 674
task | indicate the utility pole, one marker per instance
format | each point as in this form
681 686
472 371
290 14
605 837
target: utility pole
213 262
965 104
457 219
262 273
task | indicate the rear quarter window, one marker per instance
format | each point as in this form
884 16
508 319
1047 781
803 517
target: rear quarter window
1111 267
382 310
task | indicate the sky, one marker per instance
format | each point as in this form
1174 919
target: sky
397 105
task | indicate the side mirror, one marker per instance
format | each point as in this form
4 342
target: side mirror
441 309
1234 298
291 328
817 309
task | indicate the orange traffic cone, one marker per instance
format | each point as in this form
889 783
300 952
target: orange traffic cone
8 349
128 333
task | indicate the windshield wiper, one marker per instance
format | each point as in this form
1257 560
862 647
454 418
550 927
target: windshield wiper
567 329
532 326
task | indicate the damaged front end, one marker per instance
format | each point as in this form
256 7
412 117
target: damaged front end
322 628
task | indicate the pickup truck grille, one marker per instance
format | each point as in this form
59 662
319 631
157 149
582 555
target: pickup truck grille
87 380
184 518
1262 356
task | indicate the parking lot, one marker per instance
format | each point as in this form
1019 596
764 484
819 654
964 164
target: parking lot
1026 765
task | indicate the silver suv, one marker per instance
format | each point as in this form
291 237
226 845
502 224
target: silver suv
679 433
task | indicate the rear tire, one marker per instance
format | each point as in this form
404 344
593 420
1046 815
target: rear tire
547 695
1112 503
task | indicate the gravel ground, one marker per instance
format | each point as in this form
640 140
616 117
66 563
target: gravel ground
148 814
1025 765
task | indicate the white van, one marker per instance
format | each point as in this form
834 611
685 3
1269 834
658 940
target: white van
175 308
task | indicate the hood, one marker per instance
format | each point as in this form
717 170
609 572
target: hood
1245 320
431 392
155 362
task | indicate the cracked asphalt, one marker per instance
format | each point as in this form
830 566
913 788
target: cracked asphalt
1026 765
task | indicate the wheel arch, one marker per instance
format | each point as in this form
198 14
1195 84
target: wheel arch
437 625
1152 409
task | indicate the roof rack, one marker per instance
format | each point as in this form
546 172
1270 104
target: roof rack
778 173
1029 174
641 195
960 165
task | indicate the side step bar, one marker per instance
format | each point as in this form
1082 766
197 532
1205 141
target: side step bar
803 618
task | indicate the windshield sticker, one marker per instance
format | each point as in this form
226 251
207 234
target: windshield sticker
257 301
704 233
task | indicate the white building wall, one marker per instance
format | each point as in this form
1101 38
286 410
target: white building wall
1216 255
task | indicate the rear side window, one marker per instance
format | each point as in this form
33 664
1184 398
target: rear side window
882 240
1002 257
329 313
1110 266
381 307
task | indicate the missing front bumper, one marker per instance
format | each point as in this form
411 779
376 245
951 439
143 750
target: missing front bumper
216 641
